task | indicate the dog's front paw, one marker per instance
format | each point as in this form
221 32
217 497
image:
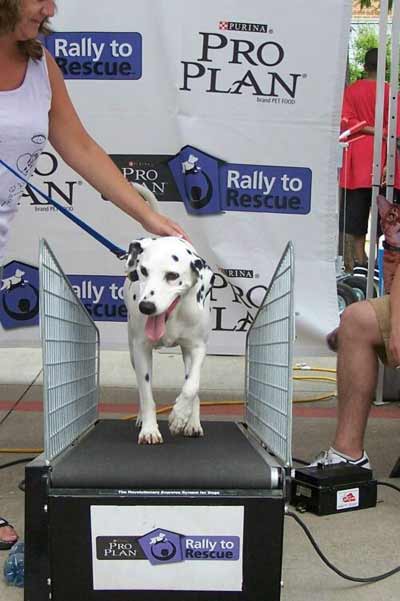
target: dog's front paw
150 436
193 428
178 419
176 423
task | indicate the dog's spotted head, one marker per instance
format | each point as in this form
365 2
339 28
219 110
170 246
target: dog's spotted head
164 270
390 221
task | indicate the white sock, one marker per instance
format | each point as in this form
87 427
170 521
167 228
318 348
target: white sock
345 456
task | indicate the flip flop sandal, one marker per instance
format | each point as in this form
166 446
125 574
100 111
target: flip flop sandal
4 545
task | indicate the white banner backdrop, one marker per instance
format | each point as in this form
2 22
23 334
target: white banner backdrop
229 112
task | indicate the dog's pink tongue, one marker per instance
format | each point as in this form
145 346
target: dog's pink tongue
155 324
155 327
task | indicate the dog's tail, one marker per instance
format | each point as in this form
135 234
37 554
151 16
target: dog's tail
148 196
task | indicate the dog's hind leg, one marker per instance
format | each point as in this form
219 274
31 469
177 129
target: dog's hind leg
185 416
142 361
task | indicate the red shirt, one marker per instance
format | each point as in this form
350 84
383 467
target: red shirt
397 152
359 105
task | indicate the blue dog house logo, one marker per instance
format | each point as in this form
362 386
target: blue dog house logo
196 176
162 546
19 296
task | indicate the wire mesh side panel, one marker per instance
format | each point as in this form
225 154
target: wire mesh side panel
70 348
269 356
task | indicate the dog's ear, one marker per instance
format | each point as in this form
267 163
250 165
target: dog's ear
135 249
197 265
384 206
204 279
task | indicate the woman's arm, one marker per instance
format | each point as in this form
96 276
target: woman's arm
86 157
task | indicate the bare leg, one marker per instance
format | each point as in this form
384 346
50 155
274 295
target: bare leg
359 250
348 254
357 369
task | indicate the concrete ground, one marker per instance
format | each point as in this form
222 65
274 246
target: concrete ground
363 543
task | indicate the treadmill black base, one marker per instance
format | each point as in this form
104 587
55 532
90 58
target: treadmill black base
65 549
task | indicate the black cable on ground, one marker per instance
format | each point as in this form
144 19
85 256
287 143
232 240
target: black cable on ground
389 485
3 419
16 462
330 565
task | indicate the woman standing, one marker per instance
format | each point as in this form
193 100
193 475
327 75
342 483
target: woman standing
35 107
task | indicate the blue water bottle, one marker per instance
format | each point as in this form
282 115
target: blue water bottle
14 566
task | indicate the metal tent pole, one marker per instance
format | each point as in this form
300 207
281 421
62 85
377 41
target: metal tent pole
391 147
393 98
377 164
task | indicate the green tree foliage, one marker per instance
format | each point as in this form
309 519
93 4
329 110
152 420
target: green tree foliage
368 3
363 38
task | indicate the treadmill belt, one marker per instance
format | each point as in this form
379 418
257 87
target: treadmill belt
109 457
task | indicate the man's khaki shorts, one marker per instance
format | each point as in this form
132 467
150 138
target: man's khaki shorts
381 307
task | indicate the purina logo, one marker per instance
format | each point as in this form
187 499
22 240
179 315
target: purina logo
237 26
237 273
118 548
237 61
150 170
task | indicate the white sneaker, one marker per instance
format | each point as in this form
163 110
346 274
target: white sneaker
332 456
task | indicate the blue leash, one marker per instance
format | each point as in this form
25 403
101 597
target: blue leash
119 252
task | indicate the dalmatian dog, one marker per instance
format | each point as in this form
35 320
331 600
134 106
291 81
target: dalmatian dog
166 293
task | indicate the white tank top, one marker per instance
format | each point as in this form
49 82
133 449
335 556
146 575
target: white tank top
24 126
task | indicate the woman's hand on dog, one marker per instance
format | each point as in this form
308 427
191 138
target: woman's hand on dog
158 224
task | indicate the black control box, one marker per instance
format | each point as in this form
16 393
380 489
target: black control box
337 488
